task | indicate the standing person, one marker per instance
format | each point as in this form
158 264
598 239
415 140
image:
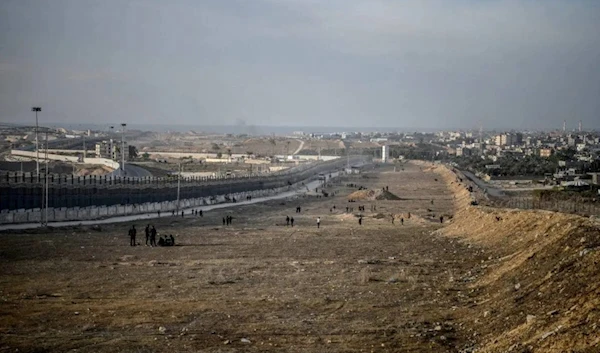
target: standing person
201 213
287 221
153 236
223 220
402 221
318 222
158 213
181 214
230 220
292 222
147 231
441 219
132 233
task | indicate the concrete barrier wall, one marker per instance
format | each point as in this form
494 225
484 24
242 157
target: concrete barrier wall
97 212
59 157
103 161
55 157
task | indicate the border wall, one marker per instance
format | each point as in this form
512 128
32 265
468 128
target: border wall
96 198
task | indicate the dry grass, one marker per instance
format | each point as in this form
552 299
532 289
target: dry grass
348 288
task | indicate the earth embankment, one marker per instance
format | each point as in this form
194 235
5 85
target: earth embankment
538 290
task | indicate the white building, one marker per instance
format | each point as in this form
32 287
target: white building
385 153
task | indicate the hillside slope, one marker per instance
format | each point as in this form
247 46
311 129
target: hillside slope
539 290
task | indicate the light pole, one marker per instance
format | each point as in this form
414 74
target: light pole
37 159
112 147
123 147
179 185
46 198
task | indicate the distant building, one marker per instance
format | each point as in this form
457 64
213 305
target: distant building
385 153
546 152
504 140
111 149
463 151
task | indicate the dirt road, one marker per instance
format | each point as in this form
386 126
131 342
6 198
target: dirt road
257 285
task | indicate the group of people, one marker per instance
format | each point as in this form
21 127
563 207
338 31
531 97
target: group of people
289 221
192 212
227 220
150 237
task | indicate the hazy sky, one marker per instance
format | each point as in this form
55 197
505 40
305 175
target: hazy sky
373 63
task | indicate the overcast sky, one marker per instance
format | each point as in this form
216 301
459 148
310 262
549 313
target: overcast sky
373 63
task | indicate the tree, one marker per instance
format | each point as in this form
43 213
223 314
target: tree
146 156
273 144
133 152
219 155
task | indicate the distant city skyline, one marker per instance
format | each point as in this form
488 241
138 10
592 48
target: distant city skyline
267 130
421 64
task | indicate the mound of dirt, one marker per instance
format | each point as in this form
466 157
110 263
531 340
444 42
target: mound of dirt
538 289
371 195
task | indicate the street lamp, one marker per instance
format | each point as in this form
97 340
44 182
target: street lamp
179 185
46 198
112 147
123 147
37 159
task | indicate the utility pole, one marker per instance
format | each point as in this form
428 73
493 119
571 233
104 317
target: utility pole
46 208
179 185
37 152
123 147
112 147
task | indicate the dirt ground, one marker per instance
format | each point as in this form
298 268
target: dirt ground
259 285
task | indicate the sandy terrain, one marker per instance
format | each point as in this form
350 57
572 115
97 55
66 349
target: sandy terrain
261 286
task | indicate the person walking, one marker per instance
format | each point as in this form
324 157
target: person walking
287 221
147 231
132 233
441 219
318 222
292 222
153 236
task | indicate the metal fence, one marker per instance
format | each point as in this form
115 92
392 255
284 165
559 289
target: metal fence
583 208
97 191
